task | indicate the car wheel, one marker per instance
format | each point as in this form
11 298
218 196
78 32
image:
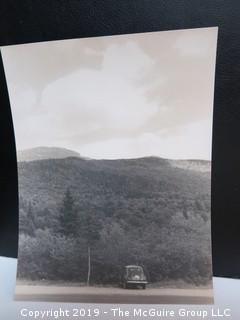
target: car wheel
143 286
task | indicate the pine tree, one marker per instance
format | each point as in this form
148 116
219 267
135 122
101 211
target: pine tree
68 216
27 223
30 221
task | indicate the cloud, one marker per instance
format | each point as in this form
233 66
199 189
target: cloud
117 96
188 141
108 98
197 46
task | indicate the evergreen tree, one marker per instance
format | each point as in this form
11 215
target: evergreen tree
68 218
30 221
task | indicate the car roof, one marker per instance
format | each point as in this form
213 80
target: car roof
133 266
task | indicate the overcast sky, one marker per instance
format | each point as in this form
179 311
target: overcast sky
116 97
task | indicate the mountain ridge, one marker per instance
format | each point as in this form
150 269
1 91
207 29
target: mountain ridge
45 153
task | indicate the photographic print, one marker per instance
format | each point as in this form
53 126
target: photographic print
114 138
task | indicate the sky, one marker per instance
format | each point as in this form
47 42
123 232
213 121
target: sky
127 96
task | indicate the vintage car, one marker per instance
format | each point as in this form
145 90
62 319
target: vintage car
133 276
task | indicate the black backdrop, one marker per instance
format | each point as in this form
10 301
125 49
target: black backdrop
42 20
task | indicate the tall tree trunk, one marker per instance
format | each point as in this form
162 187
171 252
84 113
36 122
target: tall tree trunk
89 266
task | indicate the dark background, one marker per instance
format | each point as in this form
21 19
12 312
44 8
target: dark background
42 20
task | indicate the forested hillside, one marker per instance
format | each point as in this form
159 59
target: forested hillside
148 211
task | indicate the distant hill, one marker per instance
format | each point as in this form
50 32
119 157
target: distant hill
195 165
45 181
41 153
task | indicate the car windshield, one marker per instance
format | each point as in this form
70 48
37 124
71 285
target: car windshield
134 271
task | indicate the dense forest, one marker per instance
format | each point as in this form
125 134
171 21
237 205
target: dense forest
149 211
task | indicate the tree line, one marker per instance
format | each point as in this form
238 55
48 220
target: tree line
90 241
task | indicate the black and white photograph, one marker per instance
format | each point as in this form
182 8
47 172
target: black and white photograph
114 139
